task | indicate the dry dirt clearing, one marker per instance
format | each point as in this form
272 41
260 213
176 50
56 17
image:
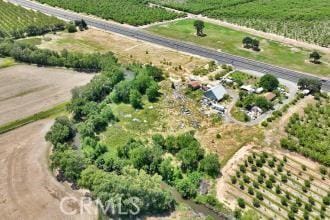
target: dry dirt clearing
126 49
27 188
26 90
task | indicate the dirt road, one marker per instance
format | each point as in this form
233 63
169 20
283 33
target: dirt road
27 188
26 89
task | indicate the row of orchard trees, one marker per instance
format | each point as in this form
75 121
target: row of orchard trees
309 134
18 22
31 54
306 20
134 12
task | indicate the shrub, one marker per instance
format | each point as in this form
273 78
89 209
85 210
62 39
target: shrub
264 123
254 168
241 185
298 202
233 179
323 170
294 208
260 179
272 178
255 185
246 179
250 190
262 173
306 215
271 163
307 183
259 196
242 168
278 189
311 200
71 27
284 178
308 207
284 201
256 203
241 203
303 167
269 184
291 216
326 200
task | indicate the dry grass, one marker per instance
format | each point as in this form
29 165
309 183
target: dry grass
126 49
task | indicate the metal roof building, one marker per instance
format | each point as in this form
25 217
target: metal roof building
215 93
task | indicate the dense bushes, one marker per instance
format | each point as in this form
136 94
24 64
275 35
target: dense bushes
247 101
107 174
134 12
131 187
145 82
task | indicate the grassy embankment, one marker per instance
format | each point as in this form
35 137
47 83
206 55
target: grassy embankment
55 111
230 41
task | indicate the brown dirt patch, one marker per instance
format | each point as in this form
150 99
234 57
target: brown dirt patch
27 188
26 90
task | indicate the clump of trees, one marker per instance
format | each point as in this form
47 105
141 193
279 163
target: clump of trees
131 172
247 101
144 83
251 43
313 85
31 54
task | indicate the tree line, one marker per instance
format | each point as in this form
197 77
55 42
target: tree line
28 53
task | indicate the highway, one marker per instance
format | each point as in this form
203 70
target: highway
221 57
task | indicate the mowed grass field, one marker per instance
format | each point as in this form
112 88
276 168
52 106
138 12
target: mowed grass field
230 41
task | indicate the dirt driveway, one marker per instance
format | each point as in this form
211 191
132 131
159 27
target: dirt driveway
27 188
26 89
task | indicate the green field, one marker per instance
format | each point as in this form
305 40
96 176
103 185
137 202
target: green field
306 20
230 41
134 12
19 22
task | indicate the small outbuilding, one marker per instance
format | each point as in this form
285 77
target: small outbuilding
259 90
194 85
248 88
270 96
216 93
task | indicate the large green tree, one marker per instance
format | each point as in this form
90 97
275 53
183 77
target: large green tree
199 26
269 82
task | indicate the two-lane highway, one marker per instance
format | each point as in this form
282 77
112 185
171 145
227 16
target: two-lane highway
221 57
